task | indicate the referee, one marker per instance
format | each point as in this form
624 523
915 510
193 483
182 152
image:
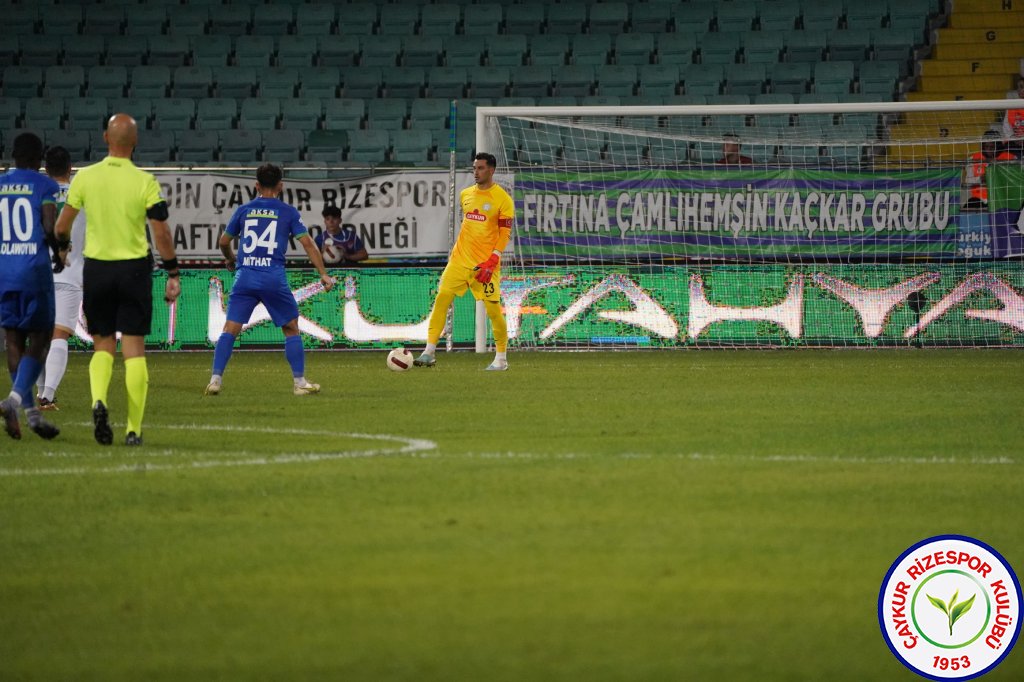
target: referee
118 275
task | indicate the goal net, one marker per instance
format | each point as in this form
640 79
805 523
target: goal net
862 224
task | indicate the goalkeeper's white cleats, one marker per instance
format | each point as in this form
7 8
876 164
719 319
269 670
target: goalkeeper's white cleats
306 388
424 360
498 366
212 388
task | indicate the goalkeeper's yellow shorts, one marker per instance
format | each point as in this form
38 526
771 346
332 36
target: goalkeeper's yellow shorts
457 278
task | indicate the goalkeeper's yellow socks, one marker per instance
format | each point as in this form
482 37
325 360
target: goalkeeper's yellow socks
101 368
136 380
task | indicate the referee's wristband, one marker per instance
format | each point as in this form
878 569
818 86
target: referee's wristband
170 265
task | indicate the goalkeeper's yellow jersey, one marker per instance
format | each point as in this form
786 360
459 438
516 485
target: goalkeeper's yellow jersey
486 224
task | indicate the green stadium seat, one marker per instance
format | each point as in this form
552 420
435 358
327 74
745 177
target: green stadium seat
527 18
590 50
466 110
216 113
745 79
481 20
410 146
174 113
429 114
279 82
912 14
864 120
850 45
650 17
236 81
75 141
398 20
465 50
565 18
21 20
168 50
447 81
676 48
103 20
879 78
549 50
658 79
64 81
301 51
333 51
490 81
509 50
602 101
320 81
386 114
43 113
326 145
127 50
737 15
212 51
720 48
779 15
40 52
608 18
61 20
284 146
139 108
729 99
10 50
424 50
315 20
301 113
893 44
800 154
231 20
625 150
524 101
822 15
617 80
406 82
365 83
106 81
805 46
440 19
259 113
763 47
22 81
813 121
634 48
150 81
774 98
766 120
146 20
10 112
357 19
531 81
702 79
272 20
790 77
818 98
191 81
572 81
83 50
153 146
241 146
833 76
542 147
344 113
866 14
254 50
189 20
197 146
381 50
693 17
369 146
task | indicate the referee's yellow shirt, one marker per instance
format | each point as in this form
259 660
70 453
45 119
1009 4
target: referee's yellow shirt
115 195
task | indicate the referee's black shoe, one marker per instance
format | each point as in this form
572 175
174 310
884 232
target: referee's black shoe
101 424
133 439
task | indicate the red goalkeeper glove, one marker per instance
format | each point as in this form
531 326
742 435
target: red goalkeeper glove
486 269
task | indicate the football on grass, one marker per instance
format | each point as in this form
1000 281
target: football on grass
332 252
399 360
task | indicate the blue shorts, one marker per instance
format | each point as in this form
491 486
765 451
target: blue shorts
275 295
27 311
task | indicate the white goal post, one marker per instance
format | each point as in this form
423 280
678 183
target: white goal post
740 225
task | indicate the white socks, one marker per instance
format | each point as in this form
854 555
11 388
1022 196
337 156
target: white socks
56 365
430 349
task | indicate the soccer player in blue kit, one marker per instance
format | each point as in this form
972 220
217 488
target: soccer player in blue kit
263 227
28 212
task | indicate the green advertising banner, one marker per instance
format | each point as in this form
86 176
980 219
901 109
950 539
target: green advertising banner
586 307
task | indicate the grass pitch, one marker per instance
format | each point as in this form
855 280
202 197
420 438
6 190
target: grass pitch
599 516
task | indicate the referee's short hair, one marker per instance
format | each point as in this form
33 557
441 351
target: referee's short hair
27 151
57 161
268 175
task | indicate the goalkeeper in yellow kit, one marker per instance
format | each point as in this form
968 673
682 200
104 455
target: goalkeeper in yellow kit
475 262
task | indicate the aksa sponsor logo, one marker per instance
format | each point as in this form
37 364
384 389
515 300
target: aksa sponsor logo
949 608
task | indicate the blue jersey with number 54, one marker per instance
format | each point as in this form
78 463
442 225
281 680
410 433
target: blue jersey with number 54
24 258
263 228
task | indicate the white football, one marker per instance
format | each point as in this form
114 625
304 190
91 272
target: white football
332 252
399 360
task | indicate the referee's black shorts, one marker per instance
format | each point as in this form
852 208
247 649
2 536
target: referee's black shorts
118 296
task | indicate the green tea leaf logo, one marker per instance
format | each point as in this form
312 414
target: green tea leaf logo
954 611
